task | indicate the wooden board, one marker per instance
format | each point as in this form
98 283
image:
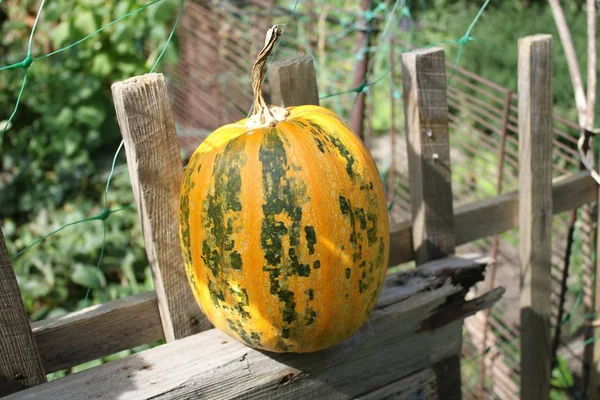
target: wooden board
427 136
472 222
98 331
293 82
428 147
20 364
535 212
414 325
156 171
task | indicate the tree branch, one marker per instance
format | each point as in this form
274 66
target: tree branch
569 48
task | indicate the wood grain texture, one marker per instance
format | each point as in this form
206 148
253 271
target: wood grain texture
156 171
293 82
474 221
428 147
535 212
98 331
20 363
398 339
426 116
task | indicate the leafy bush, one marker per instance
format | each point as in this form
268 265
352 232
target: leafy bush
56 154
494 51
55 276
65 127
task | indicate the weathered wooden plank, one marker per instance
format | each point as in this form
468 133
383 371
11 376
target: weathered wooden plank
414 325
426 116
418 386
155 168
428 147
293 82
497 214
20 364
481 219
98 331
535 212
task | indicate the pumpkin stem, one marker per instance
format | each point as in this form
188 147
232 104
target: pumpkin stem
263 114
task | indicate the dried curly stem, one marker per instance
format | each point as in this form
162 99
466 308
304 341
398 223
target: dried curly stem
263 114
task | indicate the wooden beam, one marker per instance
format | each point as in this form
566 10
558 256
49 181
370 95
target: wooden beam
156 171
428 147
293 82
398 338
496 215
20 364
98 331
535 212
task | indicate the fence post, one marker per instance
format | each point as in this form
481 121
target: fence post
535 211
293 82
156 171
426 116
20 362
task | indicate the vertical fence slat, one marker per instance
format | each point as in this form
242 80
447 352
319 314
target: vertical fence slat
426 118
20 363
293 82
156 171
535 211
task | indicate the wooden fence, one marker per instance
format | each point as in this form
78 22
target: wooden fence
412 342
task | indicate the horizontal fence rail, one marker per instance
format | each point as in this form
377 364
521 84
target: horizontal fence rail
122 324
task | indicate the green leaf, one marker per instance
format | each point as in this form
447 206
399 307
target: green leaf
57 312
33 286
88 276
90 116
124 33
85 22
101 65
163 11
561 375
64 118
87 365
60 34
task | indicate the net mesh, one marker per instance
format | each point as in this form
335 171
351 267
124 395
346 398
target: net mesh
210 86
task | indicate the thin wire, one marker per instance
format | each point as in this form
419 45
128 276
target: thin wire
112 170
160 56
98 31
12 116
37 18
467 36
103 216
89 289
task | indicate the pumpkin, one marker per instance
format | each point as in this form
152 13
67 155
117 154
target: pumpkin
284 226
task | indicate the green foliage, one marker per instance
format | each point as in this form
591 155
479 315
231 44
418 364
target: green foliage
59 147
55 276
65 127
494 51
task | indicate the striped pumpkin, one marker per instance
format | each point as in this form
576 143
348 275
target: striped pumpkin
284 230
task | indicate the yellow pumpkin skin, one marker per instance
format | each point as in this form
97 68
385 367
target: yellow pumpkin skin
285 231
